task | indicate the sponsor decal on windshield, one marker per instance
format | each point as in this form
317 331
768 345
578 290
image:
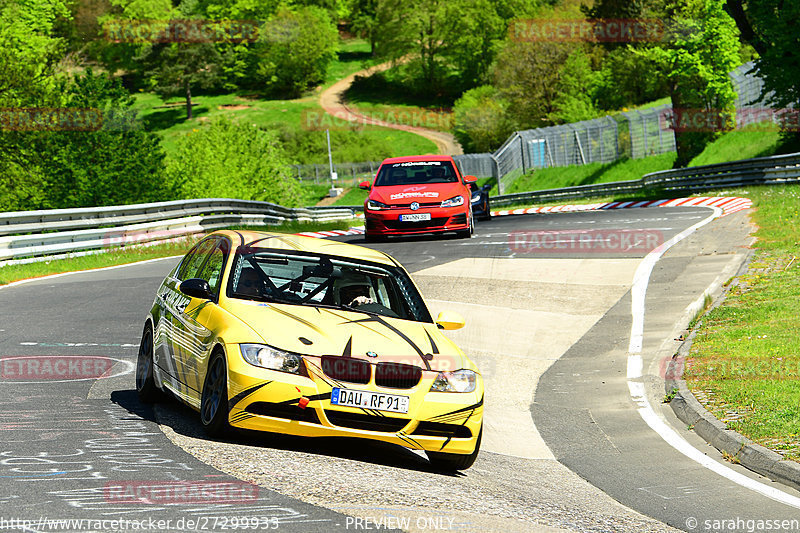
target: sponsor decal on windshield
417 164
402 195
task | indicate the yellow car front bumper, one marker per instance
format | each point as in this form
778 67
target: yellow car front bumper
279 402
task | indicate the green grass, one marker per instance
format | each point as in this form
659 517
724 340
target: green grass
654 103
354 55
745 361
388 96
354 196
312 193
740 144
132 254
301 118
621 170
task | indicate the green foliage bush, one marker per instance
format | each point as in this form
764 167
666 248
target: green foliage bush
626 79
480 120
56 168
225 159
295 49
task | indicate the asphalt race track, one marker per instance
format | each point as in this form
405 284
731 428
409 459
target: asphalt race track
569 443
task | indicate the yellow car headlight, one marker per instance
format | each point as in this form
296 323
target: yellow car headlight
268 357
458 381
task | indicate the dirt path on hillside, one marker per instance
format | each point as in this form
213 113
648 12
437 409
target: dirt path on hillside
332 101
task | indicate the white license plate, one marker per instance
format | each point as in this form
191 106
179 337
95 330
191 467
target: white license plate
369 400
415 217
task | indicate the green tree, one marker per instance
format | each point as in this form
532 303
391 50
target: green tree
294 50
574 100
626 79
695 64
770 26
440 36
29 50
29 53
117 47
527 75
225 159
363 16
476 40
112 163
173 69
615 9
480 121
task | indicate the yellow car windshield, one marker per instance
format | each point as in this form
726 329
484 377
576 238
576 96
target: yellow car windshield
325 281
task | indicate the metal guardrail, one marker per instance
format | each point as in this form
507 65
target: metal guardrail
36 234
759 171
33 234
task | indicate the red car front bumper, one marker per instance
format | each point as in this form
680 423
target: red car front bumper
388 221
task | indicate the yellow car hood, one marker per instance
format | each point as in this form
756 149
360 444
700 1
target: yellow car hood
321 331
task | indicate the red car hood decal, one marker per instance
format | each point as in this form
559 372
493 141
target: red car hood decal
427 193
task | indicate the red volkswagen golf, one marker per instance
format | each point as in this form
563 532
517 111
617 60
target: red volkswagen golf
418 194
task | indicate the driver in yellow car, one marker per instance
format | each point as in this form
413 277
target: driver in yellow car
353 290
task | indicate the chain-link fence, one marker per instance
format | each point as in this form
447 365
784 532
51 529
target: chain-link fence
749 88
351 174
348 174
647 132
634 134
478 165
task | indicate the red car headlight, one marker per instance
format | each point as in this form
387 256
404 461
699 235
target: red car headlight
372 205
455 201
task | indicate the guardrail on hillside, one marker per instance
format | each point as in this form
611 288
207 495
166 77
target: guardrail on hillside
34 234
758 171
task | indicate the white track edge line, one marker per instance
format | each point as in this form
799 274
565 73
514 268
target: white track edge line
636 388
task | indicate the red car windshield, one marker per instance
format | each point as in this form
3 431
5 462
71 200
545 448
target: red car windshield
416 173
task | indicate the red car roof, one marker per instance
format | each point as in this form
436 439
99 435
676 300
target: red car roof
429 157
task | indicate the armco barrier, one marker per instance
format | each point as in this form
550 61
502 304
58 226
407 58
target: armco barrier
759 171
32 234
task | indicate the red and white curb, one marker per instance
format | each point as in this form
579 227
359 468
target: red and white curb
332 233
728 204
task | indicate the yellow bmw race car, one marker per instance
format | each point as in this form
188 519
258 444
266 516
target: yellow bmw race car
310 337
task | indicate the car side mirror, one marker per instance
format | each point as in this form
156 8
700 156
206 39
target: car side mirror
365 185
450 320
196 288
470 179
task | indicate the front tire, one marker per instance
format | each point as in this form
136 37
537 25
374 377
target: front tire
145 382
452 462
467 233
214 399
